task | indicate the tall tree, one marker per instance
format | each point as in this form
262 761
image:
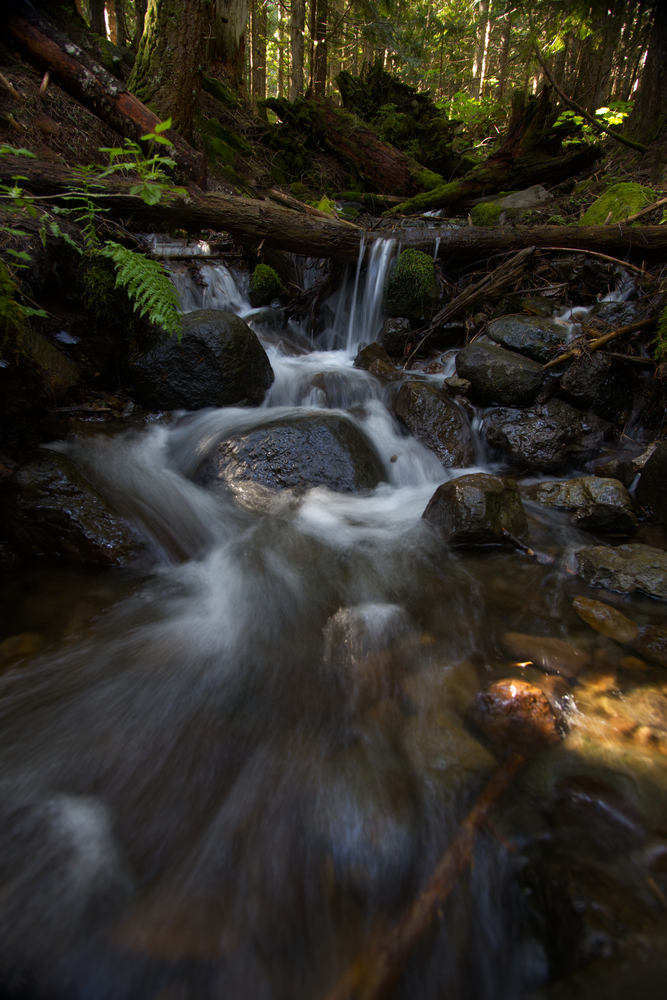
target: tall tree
320 46
168 69
227 53
297 28
649 115
258 24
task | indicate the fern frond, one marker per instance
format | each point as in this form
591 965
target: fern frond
148 285
12 313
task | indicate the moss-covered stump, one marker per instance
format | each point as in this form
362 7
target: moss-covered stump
265 285
411 289
621 200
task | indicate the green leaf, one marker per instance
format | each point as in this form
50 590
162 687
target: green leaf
151 194
162 139
7 150
21 254
148 285
13 232
29 311
163 126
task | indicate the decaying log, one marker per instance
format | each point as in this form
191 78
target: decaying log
96 89
252 221
529 155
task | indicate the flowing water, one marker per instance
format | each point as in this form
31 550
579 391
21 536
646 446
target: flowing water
219 778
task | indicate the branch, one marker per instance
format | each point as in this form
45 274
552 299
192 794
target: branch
577 107
601 341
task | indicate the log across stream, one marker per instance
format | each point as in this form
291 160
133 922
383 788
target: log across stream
230 772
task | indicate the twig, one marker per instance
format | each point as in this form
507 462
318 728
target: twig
581 111
593 346
645 211
11 88
372 976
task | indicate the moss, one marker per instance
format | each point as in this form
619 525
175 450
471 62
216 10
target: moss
621 200
411 289
298 190
232 139
217 150
265 285
428 179
99 280
112 56
486 214
326 205
220 92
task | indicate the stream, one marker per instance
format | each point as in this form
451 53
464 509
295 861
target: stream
222 774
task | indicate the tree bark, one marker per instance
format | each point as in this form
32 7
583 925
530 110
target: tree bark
167 72
649 114
140 20
252 221
97 22
320 47
297 25
258 23
504 55
96 89
227 54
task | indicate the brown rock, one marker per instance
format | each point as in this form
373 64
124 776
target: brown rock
514 717
605 619
554 656
652 642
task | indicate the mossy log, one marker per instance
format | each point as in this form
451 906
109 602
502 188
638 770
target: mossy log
531 154
254 222
96 89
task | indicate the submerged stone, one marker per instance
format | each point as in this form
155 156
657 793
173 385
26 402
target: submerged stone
652 643
605 619
435 421
514 717
553 655
477 510
625 568
297 453
602 504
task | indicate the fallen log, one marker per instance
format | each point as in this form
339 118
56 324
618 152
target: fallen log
250 220
96 89
531 154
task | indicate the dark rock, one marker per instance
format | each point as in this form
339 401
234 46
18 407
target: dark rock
411 289
370 353
554 656
60 374
435 421
652 643
586 276
545 437
395 334
265 285
477 509
533 336
616 469
57 512
219 362
456 386
625 568
595 815
514 717
317 449
602 504
385 371
594 382
500 376
652 485
447 335
615 314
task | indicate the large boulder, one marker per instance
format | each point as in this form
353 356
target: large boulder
595 382
534 336
625 568
55 511
477 509
435 421
652 485
411 289
500 376
218 362
547 437
395 334
296 453
602 504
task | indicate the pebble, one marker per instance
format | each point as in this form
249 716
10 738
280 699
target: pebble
514 717
605 619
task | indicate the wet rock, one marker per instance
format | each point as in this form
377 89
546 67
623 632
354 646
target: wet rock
587 276
514 717
596 816
554 656
476 510
625 568
265 285
385 371
447 335
219 362
395 334
614 315
617 469
411 289
601 504
546 437
434 420
57 512
535 337
652 485
500 376
652 643
456 386
605 619
594 382
317 449
18 646
60 374
530 197
370 353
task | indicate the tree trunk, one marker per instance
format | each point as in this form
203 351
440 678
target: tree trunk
258 23
168 69
482 40
121 31
96 89
227 53
97 21
504 55
320 47
647 121
251 222
297 25
140 19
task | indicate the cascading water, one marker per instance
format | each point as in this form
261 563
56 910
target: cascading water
244 763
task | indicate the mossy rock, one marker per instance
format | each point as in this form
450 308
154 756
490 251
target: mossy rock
411 289
220 92
487 213
265 285
621 200
298 190
326 205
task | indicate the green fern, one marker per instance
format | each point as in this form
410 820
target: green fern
12 313
148 285
660 342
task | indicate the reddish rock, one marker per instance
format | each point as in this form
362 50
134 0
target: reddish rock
514 717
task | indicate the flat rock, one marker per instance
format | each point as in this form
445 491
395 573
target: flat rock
218 362
625 568
602 504
554 656
533 336
545 437
430 415
297 453
477 510
500 376
605 619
